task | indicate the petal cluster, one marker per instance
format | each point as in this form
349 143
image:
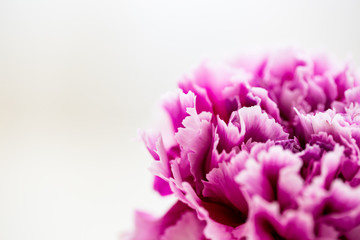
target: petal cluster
259 147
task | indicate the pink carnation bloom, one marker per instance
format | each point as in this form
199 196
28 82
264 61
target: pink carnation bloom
259 148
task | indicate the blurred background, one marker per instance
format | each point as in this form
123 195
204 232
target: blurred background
78 78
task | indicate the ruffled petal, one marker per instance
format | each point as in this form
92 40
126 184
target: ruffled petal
194 141
341 208
259 127
208 82
188 227
176 105
261 176
152 228
219 219
266 223
222 187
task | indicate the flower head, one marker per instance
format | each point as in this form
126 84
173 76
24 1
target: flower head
260 148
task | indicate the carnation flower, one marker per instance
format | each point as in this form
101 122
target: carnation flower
259 148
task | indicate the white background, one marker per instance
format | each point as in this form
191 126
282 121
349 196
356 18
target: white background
77 78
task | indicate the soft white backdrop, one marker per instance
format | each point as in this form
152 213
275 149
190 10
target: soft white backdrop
77 78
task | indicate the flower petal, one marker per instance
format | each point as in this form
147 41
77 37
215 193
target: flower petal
266 223
259 127
194 141
188 227
222 187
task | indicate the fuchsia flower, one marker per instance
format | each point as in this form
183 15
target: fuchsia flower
259 148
